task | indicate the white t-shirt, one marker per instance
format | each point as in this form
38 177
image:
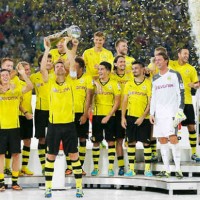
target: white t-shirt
167 94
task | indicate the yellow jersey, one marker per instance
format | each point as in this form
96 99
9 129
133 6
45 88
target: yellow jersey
56 55
9 107
122 80
91 58
129 60
138 97
26 100
15 80
79 87
104 101
41 90
189 75
61 102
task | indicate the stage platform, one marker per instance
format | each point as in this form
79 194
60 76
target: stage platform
191 180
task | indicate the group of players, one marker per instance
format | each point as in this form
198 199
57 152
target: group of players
126 99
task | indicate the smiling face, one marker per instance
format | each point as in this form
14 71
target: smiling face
60 69
5 77
120 64
160 62
7 65
99 41
27 69
103 72
138 70
122 48
183 55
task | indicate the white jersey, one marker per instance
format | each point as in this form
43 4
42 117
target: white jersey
167 95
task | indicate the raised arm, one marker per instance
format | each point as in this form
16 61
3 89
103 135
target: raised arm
21 71
43 69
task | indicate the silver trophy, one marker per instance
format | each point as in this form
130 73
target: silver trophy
72 31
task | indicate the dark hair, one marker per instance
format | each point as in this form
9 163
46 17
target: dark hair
138 63
80 61
107 65
120 40
116 59
60 60
4 70
41 56
181 48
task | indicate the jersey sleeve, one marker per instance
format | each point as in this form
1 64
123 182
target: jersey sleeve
117 88
125 92
153 100
194 76
90 84
180 91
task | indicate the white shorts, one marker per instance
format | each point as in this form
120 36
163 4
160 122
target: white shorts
163 127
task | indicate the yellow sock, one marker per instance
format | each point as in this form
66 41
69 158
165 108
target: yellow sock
69 164
1 178
77 170
154 147
25 156
193 141
95 155
120 160
49 169
111 156
7 160
42 154
131 156
15 175
82 152
147 157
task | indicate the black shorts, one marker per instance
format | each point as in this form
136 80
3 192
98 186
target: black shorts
137 133
82 130
98 128
41 123
26 128
119 130
190 116
10 140
62 132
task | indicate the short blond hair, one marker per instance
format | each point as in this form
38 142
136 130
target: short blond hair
99 34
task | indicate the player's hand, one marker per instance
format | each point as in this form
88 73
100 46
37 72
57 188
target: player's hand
147 70
98 87
139 121
47 43
96 66
83 119
20 69
179 117
123 122
28 116
2 90
105 120
194 85
75 42
152 119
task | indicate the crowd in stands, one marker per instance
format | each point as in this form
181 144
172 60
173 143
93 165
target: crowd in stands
145 24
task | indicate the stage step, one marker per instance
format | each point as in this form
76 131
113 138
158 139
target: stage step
170 184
